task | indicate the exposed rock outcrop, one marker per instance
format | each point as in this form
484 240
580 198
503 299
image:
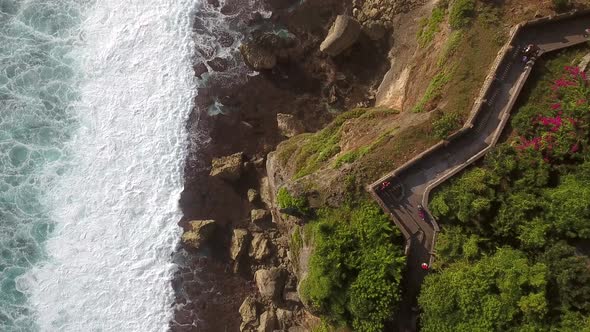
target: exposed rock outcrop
266 48
284 318
258 58
342 35
253 195
199 232
268 321
259 215
270 282
259 247
248 312
228 167
288 125
238 243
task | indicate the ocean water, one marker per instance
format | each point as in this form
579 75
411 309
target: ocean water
94 96
37 87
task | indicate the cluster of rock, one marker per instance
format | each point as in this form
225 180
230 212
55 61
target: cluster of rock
198 233
258 239
376 16
258 248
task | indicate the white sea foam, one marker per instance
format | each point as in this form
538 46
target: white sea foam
116 208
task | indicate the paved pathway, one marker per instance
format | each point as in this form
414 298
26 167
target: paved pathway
411 186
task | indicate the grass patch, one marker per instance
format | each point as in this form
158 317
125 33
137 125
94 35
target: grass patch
377 113
461 13
434 90
287 148
391 151
323 145
429 27
446 124
476 52
450 48
355 268
351 156
292 204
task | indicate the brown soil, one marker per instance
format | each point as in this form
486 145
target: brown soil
208 293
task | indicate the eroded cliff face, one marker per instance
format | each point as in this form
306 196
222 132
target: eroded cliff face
358 147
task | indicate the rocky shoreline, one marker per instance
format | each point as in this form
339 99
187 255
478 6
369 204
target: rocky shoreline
236 270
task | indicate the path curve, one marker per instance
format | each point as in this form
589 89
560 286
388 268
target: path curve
419 176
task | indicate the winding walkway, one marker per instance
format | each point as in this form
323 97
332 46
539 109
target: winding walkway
412 183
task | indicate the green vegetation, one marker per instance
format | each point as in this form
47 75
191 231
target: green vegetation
450 48
461 13
351 156
292 204
434 90
355 268
430 26
502 292
446 124
507 258
314 149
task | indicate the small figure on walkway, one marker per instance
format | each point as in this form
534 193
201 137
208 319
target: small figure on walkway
425 266
587 33
530 53
421 212
385 184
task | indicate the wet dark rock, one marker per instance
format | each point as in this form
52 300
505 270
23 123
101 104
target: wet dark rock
200 69
219 64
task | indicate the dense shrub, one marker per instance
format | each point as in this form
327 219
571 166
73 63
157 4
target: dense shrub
290 204
446 124
531 194
461 13
355 268
430 26
503 292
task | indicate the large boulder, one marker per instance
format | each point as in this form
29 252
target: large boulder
288 125
268 321
265 48
258 58
238 243
248 311
259 215
228 167
343 34
199 231
259 247
270 282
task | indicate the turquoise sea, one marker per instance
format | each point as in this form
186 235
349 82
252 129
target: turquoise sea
38 85
94 99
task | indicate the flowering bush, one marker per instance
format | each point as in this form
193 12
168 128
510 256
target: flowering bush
560 131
